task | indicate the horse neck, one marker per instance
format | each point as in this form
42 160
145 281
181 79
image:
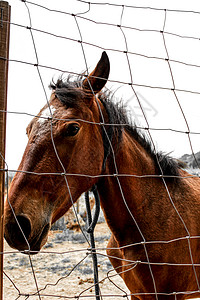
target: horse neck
123 194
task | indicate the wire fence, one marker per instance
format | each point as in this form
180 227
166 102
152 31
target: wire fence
155 65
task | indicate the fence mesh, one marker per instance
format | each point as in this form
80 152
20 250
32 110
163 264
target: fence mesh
154 70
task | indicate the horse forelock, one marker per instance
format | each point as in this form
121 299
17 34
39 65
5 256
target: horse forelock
70 92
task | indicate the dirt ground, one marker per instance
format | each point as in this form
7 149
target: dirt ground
63 270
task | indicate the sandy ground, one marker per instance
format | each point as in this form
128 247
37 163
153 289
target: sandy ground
63 270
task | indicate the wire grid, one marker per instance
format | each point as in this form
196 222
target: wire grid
41 292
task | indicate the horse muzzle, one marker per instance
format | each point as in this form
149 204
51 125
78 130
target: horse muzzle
18 234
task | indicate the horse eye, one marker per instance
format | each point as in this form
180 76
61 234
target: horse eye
72 130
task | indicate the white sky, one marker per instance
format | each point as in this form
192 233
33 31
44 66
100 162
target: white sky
26 95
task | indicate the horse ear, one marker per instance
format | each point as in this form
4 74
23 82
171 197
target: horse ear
98 78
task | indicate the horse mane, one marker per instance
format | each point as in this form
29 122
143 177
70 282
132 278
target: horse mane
165 165
70 94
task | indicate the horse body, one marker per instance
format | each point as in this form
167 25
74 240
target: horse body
157 220
153 218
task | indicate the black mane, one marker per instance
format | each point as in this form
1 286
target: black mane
165 165
70 94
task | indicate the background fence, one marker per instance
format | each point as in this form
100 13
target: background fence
154 54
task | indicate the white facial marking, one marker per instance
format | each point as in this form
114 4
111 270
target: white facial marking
46 113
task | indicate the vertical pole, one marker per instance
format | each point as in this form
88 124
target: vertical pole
90 230
4 52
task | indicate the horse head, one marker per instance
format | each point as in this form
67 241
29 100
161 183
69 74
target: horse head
62 159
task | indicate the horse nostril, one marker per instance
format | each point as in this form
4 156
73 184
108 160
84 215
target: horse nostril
18 232
25 225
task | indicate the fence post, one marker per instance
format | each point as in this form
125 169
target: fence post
4 52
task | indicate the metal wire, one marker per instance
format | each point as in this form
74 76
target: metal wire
131 264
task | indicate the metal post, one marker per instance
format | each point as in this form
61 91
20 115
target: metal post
90 230
4 52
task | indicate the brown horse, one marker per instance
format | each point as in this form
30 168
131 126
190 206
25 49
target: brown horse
151 205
